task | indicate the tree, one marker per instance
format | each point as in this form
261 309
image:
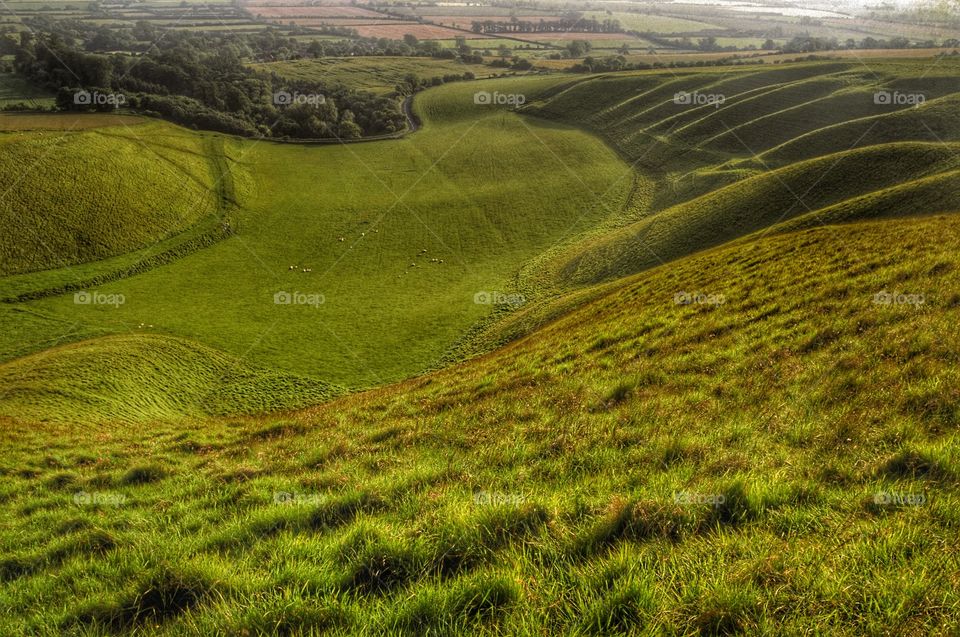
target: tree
579 48
708 44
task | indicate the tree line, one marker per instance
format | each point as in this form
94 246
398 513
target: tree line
200 79
562 25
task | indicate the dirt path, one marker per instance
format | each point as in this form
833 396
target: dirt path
413 124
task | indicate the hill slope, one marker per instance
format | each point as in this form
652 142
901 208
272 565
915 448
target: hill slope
73 197
397 238
781 446
724 153
144 378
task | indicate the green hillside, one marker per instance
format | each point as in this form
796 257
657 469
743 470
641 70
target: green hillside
144 378
861 182
74 197
775 143
777 456
615 362
399 238
426 223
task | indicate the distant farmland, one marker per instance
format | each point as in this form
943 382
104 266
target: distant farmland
377 74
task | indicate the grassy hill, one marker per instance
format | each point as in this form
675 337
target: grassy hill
805 140
144 378
723 399
74 197
777 456
399 238
426 223
862 182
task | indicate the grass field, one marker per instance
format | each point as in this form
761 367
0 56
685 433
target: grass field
20 122
448 193
75 188
14 90
375 74
649 23
474 501
632 363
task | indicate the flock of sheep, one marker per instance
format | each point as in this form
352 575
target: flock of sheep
422 252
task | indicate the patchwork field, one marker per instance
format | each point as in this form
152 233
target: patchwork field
377 74
272 11
420 31
649 23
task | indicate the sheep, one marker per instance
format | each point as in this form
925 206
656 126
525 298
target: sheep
341 239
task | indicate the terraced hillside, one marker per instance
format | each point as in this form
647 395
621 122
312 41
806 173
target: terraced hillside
725 153
776 453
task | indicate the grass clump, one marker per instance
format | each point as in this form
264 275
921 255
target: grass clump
144 474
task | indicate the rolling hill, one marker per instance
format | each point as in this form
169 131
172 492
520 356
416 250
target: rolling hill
629 365
396 239
143 378
400 240
743 441
71 197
